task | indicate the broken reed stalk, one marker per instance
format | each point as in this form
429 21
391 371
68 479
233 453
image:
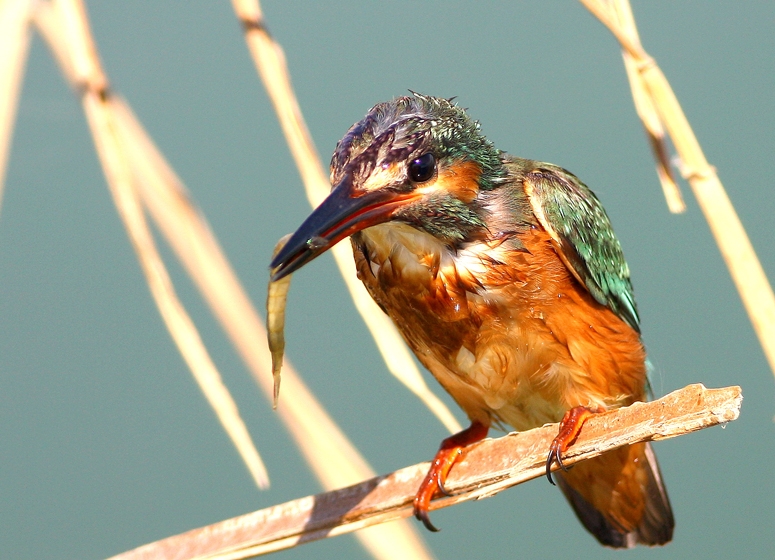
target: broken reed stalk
68 17
649 116
14 46
489 467
731 238
270 62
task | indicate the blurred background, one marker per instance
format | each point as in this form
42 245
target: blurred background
107 443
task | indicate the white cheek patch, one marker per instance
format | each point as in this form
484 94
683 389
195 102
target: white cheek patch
429 189
382 176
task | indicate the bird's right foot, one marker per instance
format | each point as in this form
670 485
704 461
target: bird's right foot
451 451
570 426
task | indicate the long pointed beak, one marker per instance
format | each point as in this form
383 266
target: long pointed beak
343 213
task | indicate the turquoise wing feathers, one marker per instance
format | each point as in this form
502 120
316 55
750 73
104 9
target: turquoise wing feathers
583 237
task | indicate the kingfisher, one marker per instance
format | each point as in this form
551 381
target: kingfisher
505 278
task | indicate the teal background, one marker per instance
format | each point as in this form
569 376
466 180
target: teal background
105 440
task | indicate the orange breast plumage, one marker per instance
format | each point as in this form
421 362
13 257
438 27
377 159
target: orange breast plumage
509 334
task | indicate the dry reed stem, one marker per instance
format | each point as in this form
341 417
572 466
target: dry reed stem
489 467
270 62
14 46
730 235
118 168
650 118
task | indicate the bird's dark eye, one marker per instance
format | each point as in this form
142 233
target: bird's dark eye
422 168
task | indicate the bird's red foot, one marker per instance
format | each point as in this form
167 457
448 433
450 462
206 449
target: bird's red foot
451 451
570 426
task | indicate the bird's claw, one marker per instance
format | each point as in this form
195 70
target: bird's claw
555 456
422 515
570 426
422 502
442 489
451 451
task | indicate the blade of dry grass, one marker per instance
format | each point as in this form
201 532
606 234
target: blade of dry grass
489 467
731 238
270 62
117 166
14 46
648 114
656 135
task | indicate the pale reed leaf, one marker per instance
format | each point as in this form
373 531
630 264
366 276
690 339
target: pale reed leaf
48 22
648 114
673 196
14 46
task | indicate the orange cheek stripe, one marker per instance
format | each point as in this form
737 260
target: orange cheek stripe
461 180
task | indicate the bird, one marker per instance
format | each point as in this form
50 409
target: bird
505 278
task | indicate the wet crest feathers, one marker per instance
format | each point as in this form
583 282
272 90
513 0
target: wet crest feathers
407 127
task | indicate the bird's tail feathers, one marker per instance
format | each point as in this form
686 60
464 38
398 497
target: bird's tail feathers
620 498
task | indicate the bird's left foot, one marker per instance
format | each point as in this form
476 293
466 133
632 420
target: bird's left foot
570 426
451 451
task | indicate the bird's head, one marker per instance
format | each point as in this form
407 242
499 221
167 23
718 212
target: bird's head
419 160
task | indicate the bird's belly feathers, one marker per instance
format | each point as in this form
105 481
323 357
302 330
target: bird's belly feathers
501 386
498 342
